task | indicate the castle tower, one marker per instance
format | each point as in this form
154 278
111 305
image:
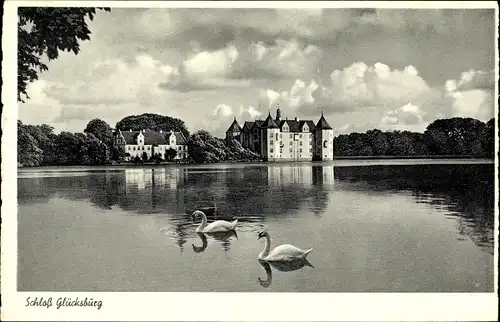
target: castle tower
234 131
323 137
270 141
278 115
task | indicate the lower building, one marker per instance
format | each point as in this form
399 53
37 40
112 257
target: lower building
147 143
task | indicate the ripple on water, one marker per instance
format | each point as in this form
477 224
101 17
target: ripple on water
250 227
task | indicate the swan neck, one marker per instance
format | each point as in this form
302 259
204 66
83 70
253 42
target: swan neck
267 246
203 221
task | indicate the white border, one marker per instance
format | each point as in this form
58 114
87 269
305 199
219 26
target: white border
155 306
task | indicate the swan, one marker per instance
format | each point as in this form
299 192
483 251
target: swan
281 253
213 227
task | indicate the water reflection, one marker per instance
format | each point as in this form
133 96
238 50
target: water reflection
287 266
224 238
199 249
269 275
462 191
260 193
249 194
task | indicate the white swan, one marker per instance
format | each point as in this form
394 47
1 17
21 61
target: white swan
281 253
213 227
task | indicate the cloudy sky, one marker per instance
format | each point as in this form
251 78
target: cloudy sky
364 68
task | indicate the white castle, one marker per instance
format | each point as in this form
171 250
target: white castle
146 143
285 140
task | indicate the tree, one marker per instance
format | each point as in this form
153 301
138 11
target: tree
456 136
157 158
117 153
488 138
153 122
377 141
94 151
101 130
45 31
170 154
28 152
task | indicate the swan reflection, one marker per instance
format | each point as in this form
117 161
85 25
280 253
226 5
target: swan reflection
287 266
223 237
269 275
199 249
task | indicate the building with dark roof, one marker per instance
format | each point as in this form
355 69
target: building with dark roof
283 139
147 143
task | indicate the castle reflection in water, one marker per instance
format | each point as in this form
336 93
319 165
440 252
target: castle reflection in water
279 176
255 193
249 193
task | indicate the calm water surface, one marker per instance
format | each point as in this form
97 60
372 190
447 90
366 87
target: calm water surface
396 227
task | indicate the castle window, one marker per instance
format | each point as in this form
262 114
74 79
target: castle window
270 135
291 136
280 136
300 150
271 150
271 141
300 143
291 150
300 136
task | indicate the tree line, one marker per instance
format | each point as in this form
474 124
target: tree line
446 137
38 145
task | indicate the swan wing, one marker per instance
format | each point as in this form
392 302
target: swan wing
285 252
219 226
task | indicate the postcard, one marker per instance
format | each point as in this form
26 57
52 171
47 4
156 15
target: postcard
249 161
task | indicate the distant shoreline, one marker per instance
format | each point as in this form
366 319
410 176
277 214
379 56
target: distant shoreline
342 158
396 157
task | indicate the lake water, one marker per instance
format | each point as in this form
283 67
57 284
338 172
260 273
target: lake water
391 226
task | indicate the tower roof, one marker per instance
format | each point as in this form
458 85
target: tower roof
235 127
323 124
269 123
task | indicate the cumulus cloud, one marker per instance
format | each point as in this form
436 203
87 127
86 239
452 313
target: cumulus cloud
299 94
233 67
204 71
222 116
285 59
113 82
472 94
361 85
470 80
223 110
356 86
408 114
